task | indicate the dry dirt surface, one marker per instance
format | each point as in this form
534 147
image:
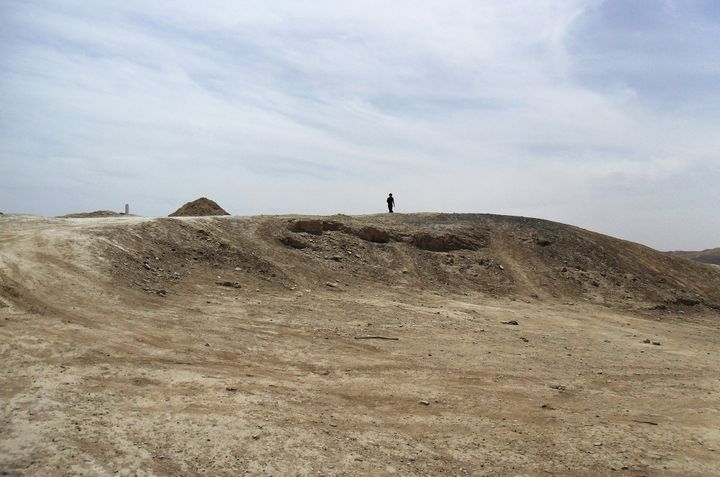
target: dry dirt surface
424 344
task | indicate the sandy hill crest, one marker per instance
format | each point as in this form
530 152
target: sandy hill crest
200 207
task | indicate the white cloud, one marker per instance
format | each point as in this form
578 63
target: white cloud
326 106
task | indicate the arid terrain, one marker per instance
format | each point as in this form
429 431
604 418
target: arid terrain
418 344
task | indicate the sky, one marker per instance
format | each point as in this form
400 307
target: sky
601 114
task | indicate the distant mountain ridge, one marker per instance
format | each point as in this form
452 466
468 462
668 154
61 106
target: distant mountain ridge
711 255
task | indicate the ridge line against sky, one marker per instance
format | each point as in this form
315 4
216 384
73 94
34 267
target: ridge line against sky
602 114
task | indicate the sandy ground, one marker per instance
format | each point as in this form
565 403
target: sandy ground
261 380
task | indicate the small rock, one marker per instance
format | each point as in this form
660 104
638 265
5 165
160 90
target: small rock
411 457
332 284
548 407
559 387
511 322
656 343
228 284
162 293
256 436
597 444
147 266
524 339
646 341
424 402
232 390
501 267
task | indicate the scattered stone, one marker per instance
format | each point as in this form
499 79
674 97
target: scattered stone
332 284
162 293
411 457
559 387
597 444
688 301
501 267
424 402
147 266
228 284
646 341
446 243
547 407
294 242
231 389
656 343
524 339
543 242
511 322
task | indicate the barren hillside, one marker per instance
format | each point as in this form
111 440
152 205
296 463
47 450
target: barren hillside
422 344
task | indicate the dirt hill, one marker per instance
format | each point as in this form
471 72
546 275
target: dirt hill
94 214
706 256
496 255
420 344
198 208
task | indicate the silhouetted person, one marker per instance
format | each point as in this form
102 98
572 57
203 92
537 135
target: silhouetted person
391 203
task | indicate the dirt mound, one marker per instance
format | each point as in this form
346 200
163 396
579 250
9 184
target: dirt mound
90 215
198 208
516 257
711 256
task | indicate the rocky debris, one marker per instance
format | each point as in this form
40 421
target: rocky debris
371 234
543 242
315 227
293 242
231 389
332 284
146 265
547 407
434 242
688 301
511 322
228 284
424 402
198 208
559 387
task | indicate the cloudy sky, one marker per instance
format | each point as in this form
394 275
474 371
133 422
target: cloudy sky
603 114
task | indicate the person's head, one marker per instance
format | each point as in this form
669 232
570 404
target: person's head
390 194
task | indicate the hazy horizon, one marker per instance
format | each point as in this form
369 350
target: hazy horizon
600 114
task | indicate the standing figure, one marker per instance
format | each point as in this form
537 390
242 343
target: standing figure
391 203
